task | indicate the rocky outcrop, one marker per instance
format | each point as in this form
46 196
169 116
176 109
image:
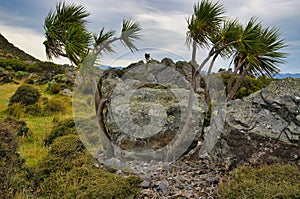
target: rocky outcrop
263 127
149 106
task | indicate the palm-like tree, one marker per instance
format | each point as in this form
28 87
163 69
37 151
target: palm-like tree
67 36
223 45
66 33
202 26
257 53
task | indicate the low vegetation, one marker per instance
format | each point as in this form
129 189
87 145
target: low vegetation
250 84
69 171
41 155
265 182
26 95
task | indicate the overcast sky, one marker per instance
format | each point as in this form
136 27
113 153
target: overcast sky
163 22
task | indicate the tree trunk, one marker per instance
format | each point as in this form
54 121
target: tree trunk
100 101
206 89
194 66
238 83
233 75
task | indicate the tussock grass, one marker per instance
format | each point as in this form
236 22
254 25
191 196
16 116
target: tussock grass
31 147
6 91
266 182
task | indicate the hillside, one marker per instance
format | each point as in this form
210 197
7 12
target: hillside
9 51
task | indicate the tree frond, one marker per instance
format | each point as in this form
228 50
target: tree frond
102 40
205 21
130 33
66 33
261 48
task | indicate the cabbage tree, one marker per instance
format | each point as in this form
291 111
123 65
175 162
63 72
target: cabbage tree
67 36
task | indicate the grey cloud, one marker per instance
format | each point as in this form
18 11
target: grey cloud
167 20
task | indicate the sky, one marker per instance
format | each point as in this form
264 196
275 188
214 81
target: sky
163 21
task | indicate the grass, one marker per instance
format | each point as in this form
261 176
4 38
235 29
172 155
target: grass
266 182
6 91
32 148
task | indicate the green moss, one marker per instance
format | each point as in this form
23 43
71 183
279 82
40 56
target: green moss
265 182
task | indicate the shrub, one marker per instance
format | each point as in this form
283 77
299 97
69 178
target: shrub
20 126
54 105
250 84
21 74
65 127
32 79
69 171
89 182
13 64
26 95
34 110
13 174
273 181
46 69
16 110
54 87
5 77
61 78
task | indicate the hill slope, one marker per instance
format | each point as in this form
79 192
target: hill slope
9 51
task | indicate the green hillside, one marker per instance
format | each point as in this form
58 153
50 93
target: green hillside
9 51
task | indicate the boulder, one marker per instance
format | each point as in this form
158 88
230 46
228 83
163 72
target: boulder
263 127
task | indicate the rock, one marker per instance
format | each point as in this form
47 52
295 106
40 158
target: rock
167 62
145 184
264 126
163 186
67 92
146 181
120 173
298 119
212 180
5 77
149 107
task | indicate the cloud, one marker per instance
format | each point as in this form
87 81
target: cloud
27 40
164 23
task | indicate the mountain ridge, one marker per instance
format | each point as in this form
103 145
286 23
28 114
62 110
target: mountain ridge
285 75
10 51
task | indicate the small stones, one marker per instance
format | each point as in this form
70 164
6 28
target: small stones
145 184
180 179
163 186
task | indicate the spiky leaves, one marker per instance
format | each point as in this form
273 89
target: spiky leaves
103 40
66 33
204 23
257 53
130 33
226 39
260 48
